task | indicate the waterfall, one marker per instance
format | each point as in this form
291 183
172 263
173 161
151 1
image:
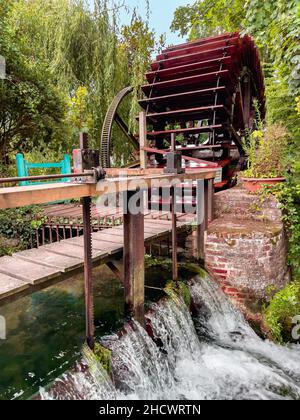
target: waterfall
216 355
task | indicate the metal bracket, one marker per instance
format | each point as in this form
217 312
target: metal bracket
174 159
174 163
86 159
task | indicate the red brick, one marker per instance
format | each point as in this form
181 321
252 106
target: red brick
222 259
213 253
231 290
214 240
216 267
218 271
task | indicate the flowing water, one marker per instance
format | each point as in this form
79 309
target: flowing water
215 355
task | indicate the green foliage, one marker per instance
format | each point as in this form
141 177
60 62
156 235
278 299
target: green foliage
298 105
280 109
31 108
66 61
266 151
289 197
180 139
283 307
151 261
275 26
266 148
19 225
208 17
178 290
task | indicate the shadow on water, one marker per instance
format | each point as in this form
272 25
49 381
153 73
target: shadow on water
45 331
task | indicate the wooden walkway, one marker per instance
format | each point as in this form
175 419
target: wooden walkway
25 270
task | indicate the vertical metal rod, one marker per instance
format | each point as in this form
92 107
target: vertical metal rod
216 102
174 234
200 219
173 142
210 200
143 138
88 283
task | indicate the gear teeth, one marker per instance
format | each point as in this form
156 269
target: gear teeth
107 126
88 253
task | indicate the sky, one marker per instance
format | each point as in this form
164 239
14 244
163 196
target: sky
162 12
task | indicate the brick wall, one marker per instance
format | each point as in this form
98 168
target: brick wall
246 247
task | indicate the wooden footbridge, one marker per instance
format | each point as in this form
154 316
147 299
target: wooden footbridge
32 269
197 106
25 270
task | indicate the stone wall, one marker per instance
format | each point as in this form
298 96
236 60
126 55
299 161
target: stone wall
246 247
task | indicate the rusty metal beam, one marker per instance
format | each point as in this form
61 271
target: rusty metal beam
88 283
116 271
143 139
123 126
174 235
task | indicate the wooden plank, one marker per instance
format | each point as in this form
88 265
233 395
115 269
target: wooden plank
66 249
186 113
39 194
155 229
187 68
49 259
107 237
194 130
10 286
198 48
185 81
100 248
192 58
115 231
201 41
27 271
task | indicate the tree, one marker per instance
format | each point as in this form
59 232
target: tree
31 109
208 17
275 26
138 42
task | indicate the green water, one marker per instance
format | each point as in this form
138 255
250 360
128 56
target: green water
45 330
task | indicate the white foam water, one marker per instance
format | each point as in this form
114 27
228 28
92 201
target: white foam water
214 356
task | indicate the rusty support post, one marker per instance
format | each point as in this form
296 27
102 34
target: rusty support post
87 239
201 217
88 282
143 138
173 142
134 259
210 200
174 234
143 153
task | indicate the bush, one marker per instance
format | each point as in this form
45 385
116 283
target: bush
18 227
284 306
267 150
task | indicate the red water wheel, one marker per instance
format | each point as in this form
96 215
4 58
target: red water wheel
203 92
